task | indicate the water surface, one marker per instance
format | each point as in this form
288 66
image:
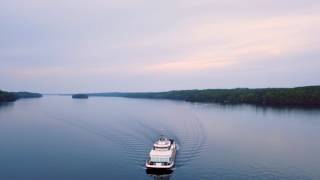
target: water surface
57 137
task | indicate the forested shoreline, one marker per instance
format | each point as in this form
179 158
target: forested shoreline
80 96
13 96
308 96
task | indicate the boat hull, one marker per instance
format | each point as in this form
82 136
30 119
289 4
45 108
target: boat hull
157 172
148 166
160 166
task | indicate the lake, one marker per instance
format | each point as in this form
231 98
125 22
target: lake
57 137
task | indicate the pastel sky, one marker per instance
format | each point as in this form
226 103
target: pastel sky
66 46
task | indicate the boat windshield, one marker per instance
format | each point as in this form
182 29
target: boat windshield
160 159
161 148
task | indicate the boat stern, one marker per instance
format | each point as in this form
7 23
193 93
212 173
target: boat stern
159 165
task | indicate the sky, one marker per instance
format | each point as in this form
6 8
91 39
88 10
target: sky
68 46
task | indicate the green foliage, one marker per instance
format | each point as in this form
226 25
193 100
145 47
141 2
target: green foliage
12 96
7 96
80 96
300 96
27 95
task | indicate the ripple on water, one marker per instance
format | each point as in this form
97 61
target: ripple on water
135 140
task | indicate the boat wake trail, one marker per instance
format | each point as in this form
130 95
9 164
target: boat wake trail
191 138
188 133
135 136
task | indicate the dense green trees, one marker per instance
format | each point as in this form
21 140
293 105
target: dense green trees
80 96
300 96
12 96
27 95
7 96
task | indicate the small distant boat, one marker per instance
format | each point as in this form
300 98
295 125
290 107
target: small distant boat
162 155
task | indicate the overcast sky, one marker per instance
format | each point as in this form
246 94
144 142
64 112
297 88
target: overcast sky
63 46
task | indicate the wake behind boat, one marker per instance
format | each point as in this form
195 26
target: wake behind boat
162 155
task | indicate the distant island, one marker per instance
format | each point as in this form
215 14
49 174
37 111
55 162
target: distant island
80 96
308 96
7 96
13 96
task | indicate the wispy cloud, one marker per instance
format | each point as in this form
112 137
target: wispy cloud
142 40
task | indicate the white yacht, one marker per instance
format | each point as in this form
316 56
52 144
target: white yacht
163 154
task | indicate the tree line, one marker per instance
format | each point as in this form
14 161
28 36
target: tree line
13 96
299 96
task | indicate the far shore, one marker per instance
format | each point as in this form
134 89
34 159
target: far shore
308 96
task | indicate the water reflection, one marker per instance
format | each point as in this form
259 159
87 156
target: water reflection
5 105
258 108
81 139
159 175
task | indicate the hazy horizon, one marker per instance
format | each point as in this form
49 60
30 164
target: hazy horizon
138 46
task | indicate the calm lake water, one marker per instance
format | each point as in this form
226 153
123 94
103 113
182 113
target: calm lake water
57 137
